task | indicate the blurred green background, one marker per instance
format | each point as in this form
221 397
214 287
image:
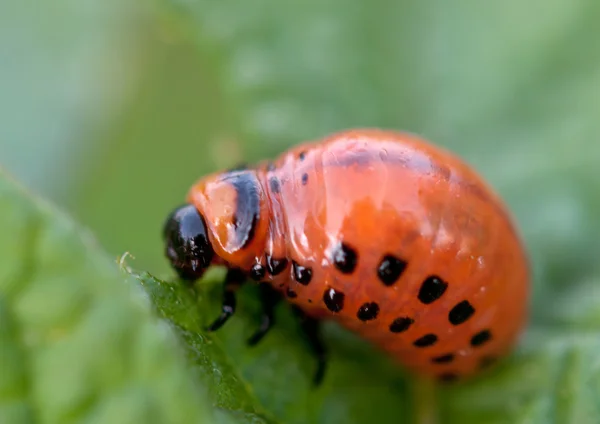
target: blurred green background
113 108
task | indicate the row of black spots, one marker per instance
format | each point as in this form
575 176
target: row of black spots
334 301
430 339
477 340
389 270
274 267
368 311
345 259
402 324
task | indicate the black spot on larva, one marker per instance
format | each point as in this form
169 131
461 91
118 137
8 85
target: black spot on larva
344 258
443 359
432 289
368 311
291 293
304 178
309 300
247 210
276 266
481 337
448 377
274 185
334 300
257 272
487 361
461 312
302 155
302 274
271 167
401 324
390 269
426 340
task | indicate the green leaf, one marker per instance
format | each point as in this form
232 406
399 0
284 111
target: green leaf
555 374
279 370
79 345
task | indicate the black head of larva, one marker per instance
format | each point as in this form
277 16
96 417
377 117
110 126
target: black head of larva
186 242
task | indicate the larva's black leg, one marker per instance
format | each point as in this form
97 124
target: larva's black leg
311 329
269 298
233 280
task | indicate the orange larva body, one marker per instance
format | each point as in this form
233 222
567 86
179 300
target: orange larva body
393 238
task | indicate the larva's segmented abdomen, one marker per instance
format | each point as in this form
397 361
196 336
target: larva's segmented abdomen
405 245
395 239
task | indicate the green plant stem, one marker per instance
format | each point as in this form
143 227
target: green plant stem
424 394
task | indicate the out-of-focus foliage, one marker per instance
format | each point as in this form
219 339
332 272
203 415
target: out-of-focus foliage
66 67
114 109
